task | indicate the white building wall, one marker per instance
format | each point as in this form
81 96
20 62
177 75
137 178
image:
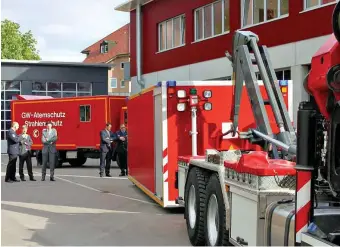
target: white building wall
295 56
298 74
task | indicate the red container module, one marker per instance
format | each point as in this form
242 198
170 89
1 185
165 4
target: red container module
78 121
159 133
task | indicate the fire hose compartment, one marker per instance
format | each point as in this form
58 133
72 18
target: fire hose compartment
255 182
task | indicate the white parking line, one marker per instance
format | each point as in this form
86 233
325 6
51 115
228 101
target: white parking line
80 176
61 209
112 194
91 188
76 176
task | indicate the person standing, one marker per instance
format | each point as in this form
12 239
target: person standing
121 149
25 155
13 141
105 150
49 151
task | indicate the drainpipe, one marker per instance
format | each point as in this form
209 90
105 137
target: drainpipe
139 47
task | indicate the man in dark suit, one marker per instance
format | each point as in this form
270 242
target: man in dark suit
25 154
105 150
121 149
13 141
49 152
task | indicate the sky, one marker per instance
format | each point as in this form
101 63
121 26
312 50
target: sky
63 28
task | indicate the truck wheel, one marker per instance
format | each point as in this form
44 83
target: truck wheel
39 158
216 233
58 161
58 164
194 208
77 162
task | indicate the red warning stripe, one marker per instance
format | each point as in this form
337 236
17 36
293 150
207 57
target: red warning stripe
303 202
302 179
165 166
165 153
165 169
302 217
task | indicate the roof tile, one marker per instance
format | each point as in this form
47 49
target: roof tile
120 36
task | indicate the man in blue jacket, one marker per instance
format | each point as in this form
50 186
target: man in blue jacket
121 149
13 141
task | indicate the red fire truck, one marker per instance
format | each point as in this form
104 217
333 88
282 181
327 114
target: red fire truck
242 172
78 121
169 127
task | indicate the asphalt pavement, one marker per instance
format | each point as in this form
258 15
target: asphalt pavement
82 209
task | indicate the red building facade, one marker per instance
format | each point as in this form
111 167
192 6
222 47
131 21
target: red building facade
187 39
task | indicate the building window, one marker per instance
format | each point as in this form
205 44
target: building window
122 84
260 11
113 82
308 4
9 90
212 20
171 33
122 65
282 74
84 89
69 89
62 89
104 47
54 89
85 113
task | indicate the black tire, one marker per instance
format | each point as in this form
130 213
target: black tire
198 179
214 193
58 161
59 164
78 162
39 158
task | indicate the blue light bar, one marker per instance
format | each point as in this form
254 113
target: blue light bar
283 83
171 84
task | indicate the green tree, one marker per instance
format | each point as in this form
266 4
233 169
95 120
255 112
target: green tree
17 45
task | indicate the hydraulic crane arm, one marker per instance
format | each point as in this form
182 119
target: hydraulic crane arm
246 55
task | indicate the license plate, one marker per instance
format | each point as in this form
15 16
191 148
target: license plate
71 155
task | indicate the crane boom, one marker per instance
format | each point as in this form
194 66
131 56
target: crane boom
247 54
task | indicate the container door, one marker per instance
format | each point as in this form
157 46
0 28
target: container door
158 142
85 126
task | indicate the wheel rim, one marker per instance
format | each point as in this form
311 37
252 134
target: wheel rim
192 206
212 220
